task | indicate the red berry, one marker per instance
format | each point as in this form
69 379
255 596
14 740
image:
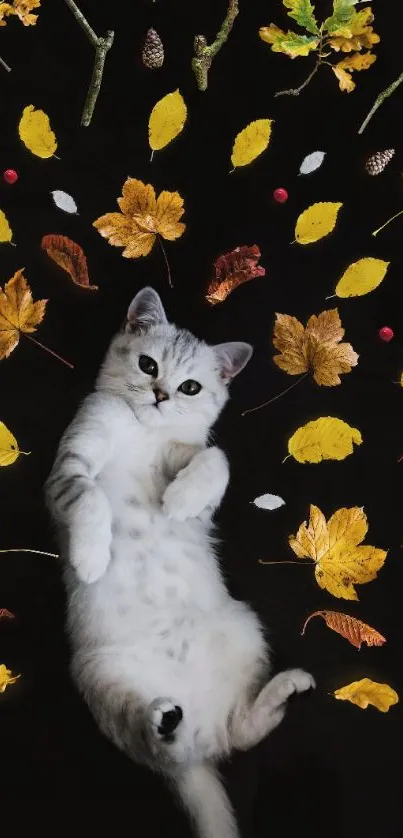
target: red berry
386 333
10 176
280 195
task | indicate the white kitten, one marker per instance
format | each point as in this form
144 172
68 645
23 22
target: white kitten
173 669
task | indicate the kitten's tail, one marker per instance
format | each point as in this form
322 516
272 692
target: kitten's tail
203 795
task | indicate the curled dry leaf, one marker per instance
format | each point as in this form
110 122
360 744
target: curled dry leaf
35 132
315 348
269 501
6 677
69 256
326 438
6 233
6 614
166 121
233 269
251 142
365 692
316 222
341 561
355 631
18 313
361 277
9 450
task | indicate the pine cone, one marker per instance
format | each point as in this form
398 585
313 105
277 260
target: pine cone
153 50
378 162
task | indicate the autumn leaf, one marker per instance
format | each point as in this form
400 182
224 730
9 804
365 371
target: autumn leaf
9 450
141 219
18 313
365 692
303 12
288 43
361 277
316 221
35 132
233 269
23 9
335 546
315 348
344 68
5 10
166 121
64 201
326 438
6 232
360 34
6 614
6 677
343 14
268 501
355 631
69 256
251 142
346 84
312 162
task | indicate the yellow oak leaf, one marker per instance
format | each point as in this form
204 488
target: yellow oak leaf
316 222
344 68
251 141
35 132
142 218
6 677
326 438
9 451
341 561
18 313
303 12
5 229
288 43
345 81
361 277
166 121
357 35
23 9
315 348
365 692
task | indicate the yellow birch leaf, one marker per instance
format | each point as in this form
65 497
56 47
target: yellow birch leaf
326 438
9 451
6 232
365 692
316 222
166 121
35 132
6 677
251 141
361 277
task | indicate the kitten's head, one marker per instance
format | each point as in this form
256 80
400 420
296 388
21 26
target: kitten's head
168 376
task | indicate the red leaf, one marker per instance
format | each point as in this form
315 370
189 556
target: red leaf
233 269
69 256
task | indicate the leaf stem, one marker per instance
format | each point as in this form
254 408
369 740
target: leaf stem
204 52
283 392
166 261
28 550
102 46
380 100
287 561
375 232
6 66
46 348
295 91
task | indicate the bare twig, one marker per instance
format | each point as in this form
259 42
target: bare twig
295 91
204 52
375 232
3 64
380 100
102 46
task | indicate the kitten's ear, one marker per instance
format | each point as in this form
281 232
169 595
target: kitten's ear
145 309
232 358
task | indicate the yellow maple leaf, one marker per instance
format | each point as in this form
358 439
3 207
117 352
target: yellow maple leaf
23 9
316 222
288 43
35 132
166 121
9 451
361 277
326 438
142 218
18 313
335 546
251 141
6 677
365 692
6 233
315 348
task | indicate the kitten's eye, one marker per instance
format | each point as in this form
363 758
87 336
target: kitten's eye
148 365
190 387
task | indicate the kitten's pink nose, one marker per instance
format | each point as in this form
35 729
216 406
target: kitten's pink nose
160 396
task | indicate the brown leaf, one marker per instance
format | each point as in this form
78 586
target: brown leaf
355 631
5 613
18 313
233 269
315 348
69 256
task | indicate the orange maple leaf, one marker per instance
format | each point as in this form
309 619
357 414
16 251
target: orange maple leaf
18 312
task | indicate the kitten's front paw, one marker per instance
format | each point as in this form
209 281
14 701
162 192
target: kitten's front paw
183 499
89 558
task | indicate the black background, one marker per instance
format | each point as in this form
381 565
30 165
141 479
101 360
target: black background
330 768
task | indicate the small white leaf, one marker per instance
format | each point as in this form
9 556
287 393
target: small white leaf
64 201
269 501
311 162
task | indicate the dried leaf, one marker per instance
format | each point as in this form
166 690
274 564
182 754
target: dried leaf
365 692
64 201
6 677
233 269
9 451
355 631
289 43
251 141
18 313
316 348
302 11
344 68
35 132
6 233
316 222
312 162
326 438
69 256
20 8
335 546
346 84
166 121
6 614
269 501
361 277
142 218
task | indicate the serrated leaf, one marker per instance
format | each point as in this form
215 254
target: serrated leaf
288 43
361 277
251 142
365 692
166 121
35 132
64 201
355 631
6 232
312 162
316 222
19 314
302 11
70 257
326 438
269 501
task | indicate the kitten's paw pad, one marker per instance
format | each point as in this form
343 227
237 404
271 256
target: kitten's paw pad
164 716
298 681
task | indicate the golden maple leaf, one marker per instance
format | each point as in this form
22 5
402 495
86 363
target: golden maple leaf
18 312
315 348
335 546
142 218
